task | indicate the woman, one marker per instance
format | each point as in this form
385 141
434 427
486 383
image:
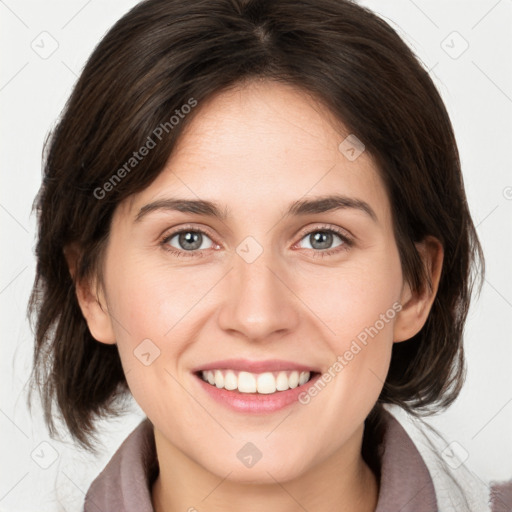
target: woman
253 220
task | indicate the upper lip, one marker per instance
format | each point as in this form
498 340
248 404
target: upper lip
269 365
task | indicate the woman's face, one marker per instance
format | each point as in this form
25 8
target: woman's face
264 281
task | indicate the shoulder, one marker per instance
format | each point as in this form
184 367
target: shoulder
125 482
414 477
405 482
501 496
456 487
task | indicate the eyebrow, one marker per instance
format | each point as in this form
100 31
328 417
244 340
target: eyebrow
303 207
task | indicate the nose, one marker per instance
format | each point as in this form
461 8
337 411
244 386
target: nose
260 301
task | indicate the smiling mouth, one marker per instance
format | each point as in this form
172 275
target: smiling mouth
265 383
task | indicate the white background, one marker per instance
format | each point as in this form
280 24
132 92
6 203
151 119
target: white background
477 89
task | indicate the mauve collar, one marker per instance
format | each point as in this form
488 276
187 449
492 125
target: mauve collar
405 482
125 483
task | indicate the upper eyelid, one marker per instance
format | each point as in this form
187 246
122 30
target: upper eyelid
326 227
175 231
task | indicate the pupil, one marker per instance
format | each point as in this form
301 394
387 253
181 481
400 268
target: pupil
190 240
321 240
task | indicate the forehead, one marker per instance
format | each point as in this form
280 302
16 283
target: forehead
264 143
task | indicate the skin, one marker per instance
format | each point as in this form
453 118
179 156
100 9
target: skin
255 150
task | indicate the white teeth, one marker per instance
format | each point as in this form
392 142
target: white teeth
265 383
219 379
230 381
294 379
246 382
282 382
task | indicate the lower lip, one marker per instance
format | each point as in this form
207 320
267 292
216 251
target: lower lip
255 402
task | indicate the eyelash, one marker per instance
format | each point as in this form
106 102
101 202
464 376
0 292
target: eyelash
347 242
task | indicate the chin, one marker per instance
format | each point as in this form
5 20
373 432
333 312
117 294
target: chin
261 473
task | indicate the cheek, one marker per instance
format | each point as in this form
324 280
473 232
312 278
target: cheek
155 313
355 297
361 314
152 300
359 305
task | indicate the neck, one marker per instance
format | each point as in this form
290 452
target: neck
340 483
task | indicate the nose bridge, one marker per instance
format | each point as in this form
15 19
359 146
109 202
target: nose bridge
258 303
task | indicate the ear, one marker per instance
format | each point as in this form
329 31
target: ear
416 305
91 299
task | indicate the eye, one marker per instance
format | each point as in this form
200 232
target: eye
195 242
325 241
187 240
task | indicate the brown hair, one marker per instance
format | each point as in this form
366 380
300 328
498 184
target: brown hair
164 53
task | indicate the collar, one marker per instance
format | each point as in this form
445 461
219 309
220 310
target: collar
125 483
